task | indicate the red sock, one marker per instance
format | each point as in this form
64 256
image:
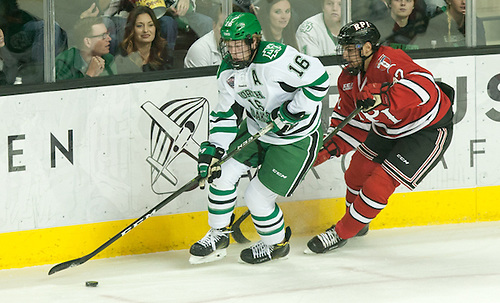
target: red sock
373 197
359 170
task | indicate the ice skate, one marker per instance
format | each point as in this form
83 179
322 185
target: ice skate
363 231
260 252
211 247
324 242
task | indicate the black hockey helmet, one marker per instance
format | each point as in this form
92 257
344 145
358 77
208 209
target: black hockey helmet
359 32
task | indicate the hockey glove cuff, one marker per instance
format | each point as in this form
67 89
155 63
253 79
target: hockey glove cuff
208 155
283 120
373 95
328 151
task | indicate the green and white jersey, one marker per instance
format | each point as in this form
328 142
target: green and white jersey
315 39
277 74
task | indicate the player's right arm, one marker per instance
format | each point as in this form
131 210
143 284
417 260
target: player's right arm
351 135
226 116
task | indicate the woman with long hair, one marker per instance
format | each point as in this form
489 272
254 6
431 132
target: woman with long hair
275 16
142 44
447 29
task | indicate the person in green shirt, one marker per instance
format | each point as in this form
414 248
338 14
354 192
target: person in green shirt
90 57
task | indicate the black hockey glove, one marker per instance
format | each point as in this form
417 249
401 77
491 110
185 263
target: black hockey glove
208 155
373 95
283 120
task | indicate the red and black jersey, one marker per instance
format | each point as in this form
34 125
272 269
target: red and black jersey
415 100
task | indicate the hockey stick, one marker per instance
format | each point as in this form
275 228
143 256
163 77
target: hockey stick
194 182
342 124
235 228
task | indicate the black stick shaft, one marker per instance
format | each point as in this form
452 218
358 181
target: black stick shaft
194 182
342 124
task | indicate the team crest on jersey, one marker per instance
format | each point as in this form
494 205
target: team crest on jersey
384 63
230 81
271 50
306 27
347 86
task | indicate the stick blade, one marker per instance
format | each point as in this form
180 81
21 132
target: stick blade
67 264
236 230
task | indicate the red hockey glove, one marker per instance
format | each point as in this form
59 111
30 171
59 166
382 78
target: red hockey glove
373 95
328 151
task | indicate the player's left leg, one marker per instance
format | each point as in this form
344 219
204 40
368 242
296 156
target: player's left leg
269 222
283 168
371 199
408 162
359 170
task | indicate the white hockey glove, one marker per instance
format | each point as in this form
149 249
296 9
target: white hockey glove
283 120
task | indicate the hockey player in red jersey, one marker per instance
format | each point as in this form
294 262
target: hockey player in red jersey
403 130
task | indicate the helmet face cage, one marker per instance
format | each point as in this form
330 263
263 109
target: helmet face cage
245 51
241 28
356 34
354 66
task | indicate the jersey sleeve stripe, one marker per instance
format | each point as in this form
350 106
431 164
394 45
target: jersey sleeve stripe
287 88
417 89
311 96
307 126
353 142
354 123
222 114
216 129
409 128
320 81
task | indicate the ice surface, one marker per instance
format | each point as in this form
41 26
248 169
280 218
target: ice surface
447 263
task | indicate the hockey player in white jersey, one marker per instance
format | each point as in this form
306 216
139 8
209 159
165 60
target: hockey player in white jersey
259 82
317 35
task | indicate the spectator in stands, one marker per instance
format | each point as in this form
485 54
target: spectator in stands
90 57
23 34
317 35
244 6
142 48
435 7
448 28
118 11
407 19
3 79
185 11
275 16
205 50
115 23
371 10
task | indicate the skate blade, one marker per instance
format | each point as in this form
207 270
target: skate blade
215 256
308 251
276 259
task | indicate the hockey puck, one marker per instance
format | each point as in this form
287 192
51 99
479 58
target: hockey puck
91 283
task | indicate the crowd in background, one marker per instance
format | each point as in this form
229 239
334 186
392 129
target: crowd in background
109 37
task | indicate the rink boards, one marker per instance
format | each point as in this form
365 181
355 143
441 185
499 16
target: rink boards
79 165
